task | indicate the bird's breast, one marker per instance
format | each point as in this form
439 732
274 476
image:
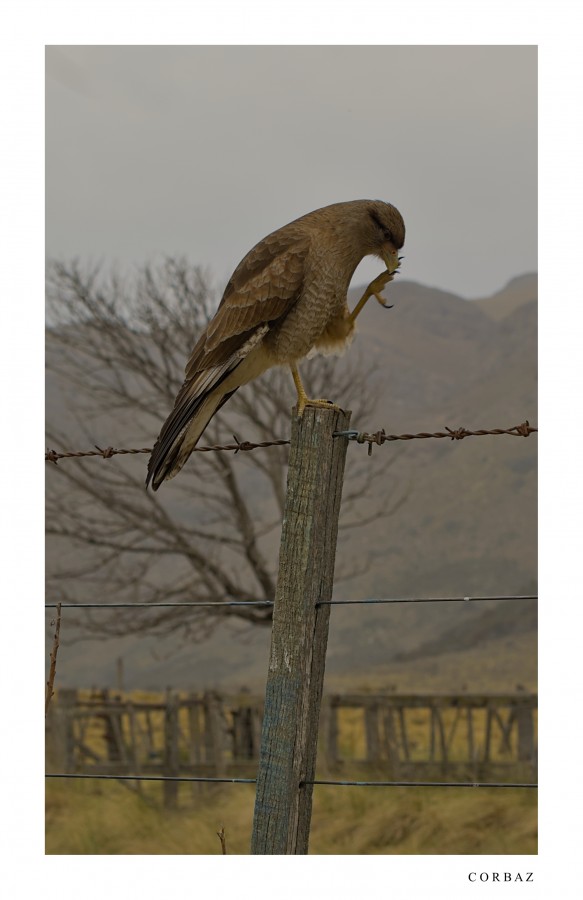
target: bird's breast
314 320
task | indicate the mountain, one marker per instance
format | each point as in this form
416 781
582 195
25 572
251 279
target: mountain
518 292
467 526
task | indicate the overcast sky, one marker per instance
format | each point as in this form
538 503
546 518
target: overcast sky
204 150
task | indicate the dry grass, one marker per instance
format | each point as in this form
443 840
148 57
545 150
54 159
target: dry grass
106 818
423 821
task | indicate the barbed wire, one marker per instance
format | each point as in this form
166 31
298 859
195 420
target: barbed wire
108 452
361 437
455 434
195 778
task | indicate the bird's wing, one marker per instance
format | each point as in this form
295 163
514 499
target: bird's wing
263 288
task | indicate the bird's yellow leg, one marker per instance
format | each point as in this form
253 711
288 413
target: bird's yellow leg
303 399
374 290
376 286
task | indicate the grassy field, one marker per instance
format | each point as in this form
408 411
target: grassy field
107 818
111 818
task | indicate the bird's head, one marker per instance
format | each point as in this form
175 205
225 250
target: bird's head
384 232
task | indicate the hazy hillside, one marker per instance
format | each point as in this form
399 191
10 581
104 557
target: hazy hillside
468 525
518 292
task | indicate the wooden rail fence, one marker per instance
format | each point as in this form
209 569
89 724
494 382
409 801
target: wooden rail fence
401 736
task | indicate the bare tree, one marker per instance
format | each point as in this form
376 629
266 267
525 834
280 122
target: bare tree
116 350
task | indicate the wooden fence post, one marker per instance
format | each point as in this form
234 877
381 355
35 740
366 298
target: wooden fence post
371 731
525 727
392 743
171 760
214 731
332 733
63 742
283 804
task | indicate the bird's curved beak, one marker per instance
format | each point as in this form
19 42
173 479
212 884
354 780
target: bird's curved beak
390 258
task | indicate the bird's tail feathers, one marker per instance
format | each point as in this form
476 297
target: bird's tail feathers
180 433
174 458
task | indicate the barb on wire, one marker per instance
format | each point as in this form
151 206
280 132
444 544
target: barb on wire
361 437
455 434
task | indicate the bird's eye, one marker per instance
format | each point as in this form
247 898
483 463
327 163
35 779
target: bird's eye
389 236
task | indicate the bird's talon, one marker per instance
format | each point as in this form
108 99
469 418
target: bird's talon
320 402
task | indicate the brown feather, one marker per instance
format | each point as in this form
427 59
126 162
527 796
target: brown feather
272 286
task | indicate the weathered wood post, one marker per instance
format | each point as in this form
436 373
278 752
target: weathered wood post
332 733
525 725
214 727
283 803
392 743
63 744
171 759
371 731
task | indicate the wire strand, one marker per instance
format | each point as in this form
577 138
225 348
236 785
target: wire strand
271 602
449 784
157 605
429 599
189 778
379 437
150 777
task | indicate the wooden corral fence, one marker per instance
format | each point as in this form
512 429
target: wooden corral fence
199 734
441 737
399 736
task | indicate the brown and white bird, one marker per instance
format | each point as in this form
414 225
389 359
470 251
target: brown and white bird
286 297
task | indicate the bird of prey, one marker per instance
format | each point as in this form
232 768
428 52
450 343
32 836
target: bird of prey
286 298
